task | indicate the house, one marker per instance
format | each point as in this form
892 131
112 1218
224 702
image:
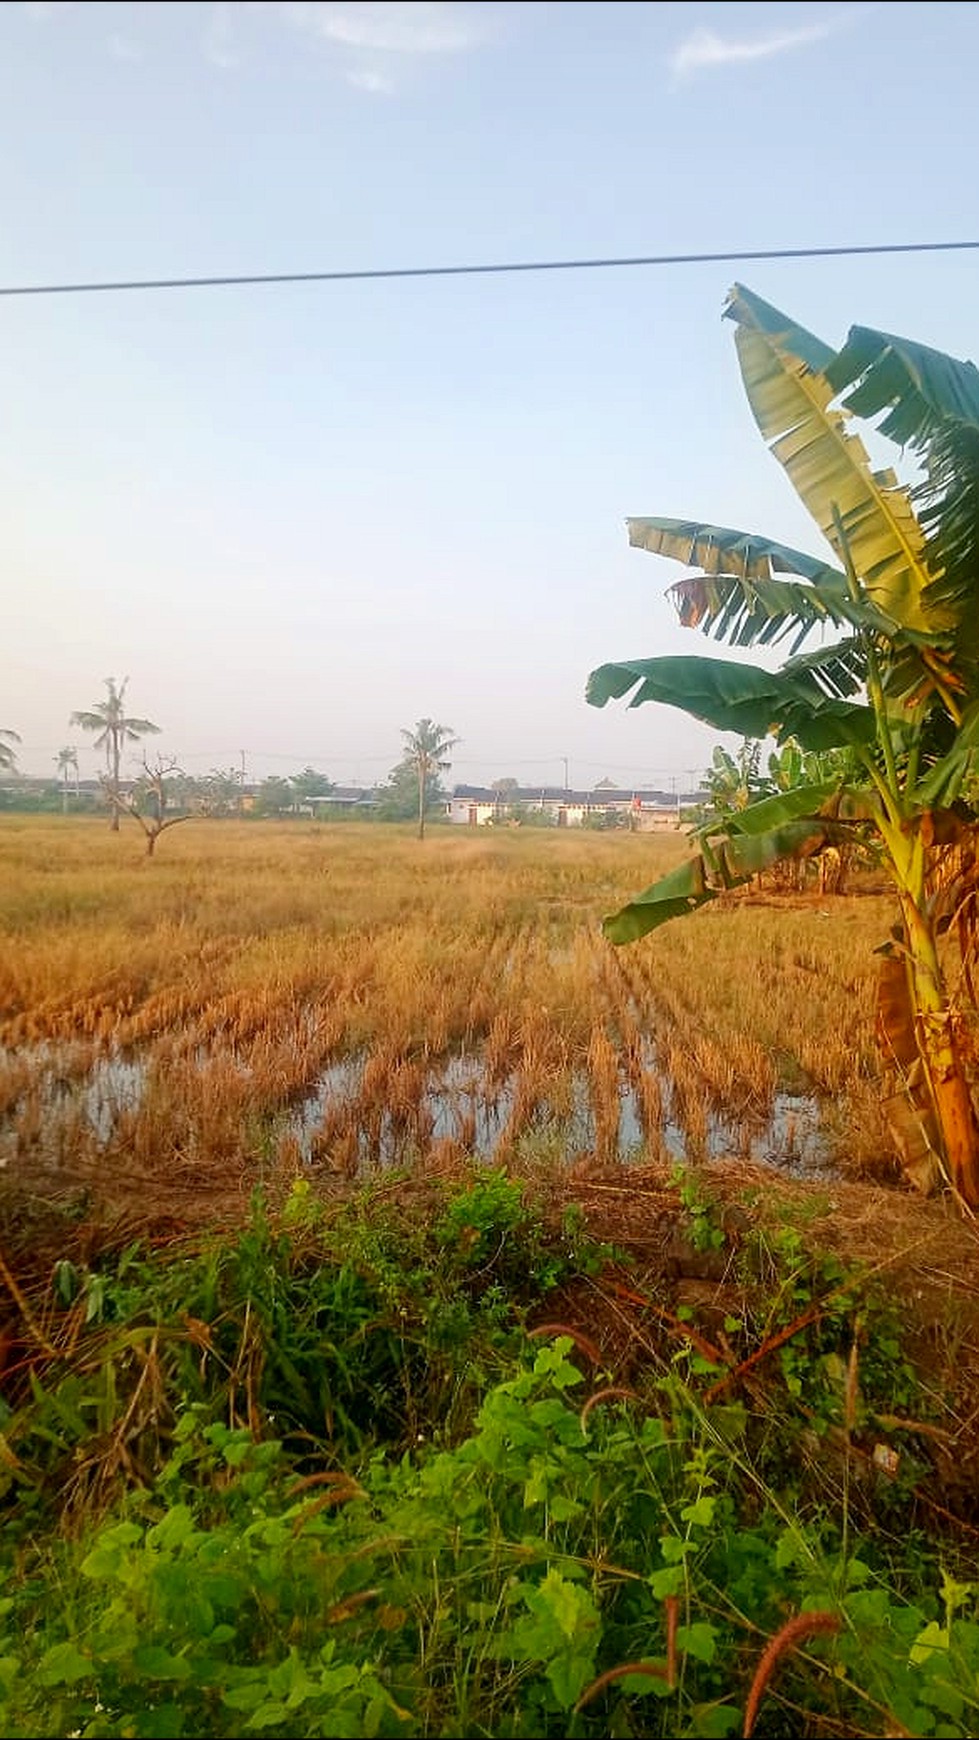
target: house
641 810
343 800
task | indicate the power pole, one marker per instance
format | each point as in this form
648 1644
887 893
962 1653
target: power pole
241 793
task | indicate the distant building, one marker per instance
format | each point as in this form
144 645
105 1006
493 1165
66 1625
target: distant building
642 810
343 800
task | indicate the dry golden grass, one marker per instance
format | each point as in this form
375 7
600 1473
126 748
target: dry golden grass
263 996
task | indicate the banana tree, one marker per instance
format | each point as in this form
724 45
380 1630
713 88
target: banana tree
895 681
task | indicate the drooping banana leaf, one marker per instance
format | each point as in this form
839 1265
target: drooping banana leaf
784 369
738 599
738 596
736 697
942 782
921 389
728 864
932 406
839 670
771 812
721 550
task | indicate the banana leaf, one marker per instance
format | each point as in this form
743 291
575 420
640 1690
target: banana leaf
839 670
736 697
922 389
932 406
722 550
738 596
784 369
943 780
727 866
784 806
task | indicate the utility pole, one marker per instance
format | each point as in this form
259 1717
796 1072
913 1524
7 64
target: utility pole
567 784
241 793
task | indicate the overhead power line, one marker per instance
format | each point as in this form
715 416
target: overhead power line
231 280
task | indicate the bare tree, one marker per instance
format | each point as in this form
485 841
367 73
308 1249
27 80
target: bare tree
149 802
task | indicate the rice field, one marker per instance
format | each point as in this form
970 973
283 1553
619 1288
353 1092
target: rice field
262 999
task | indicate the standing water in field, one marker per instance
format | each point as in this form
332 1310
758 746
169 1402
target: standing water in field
61 1102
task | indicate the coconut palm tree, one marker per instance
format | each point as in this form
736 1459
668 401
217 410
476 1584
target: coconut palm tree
897 686
426 753
114 729
8 759
67 762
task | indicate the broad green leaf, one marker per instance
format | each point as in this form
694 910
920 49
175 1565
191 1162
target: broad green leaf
62 1665
173 1529
222 1634
784 806
157 1663
247 1697
673 1548
536 1485
683 890
934 1638
647 1685
921 389
737 697
571 1606
569 1673
942 782
712 1722
735 860
738 597
272 1714
700 1514
954 1593
699 1640
564 1508
784 371
109 1552
840 670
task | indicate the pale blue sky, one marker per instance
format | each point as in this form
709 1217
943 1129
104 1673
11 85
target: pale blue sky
300 518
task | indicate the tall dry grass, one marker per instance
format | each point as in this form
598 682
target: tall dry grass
264 996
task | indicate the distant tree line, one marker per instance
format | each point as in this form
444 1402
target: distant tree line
162 793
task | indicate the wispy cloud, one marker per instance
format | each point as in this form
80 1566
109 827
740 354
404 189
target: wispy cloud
706 48
398 27
376 83
369 42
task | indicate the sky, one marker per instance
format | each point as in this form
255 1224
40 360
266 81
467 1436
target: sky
299 518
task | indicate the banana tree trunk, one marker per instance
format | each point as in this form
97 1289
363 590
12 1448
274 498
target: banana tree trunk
940 1054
